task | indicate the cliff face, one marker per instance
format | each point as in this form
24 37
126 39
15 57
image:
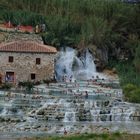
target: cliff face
103 55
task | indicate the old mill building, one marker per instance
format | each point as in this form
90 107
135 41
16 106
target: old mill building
26 60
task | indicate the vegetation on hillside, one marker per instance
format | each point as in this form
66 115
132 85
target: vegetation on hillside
110 25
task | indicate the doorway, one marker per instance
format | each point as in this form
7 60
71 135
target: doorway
10 77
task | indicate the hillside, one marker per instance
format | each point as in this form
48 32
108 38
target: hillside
109 29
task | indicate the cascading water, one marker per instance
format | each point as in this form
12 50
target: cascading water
64 63
55 111
69 65
4 112
88 69
69 117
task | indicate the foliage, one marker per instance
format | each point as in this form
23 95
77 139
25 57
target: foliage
61 31
127 73
28 85
129 78
6 86
137 59
132 93
22 18
105 136
104 23
129 88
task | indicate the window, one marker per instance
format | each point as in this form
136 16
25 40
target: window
38 61
11 59
32 76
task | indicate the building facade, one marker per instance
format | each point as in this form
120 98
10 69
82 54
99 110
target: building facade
26 60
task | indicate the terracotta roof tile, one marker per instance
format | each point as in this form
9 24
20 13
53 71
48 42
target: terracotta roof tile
26 46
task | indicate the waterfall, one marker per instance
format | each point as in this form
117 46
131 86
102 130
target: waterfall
4 112
69 65
64 63
69 117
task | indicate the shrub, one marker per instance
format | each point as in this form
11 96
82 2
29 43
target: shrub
132 93
28 85
129 88
135 96
6 86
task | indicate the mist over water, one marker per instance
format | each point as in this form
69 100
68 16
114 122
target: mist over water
70 65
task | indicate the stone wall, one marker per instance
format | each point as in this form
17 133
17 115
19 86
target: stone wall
25 63
9 37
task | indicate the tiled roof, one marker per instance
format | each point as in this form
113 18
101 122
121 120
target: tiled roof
26 46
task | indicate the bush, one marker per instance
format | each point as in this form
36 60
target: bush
132 93
28 85
129 88
6 86
135 96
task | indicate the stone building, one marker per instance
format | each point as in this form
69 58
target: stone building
26 60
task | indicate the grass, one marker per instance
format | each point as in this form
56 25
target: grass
113 136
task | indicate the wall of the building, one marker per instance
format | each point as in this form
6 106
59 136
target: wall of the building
25 63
